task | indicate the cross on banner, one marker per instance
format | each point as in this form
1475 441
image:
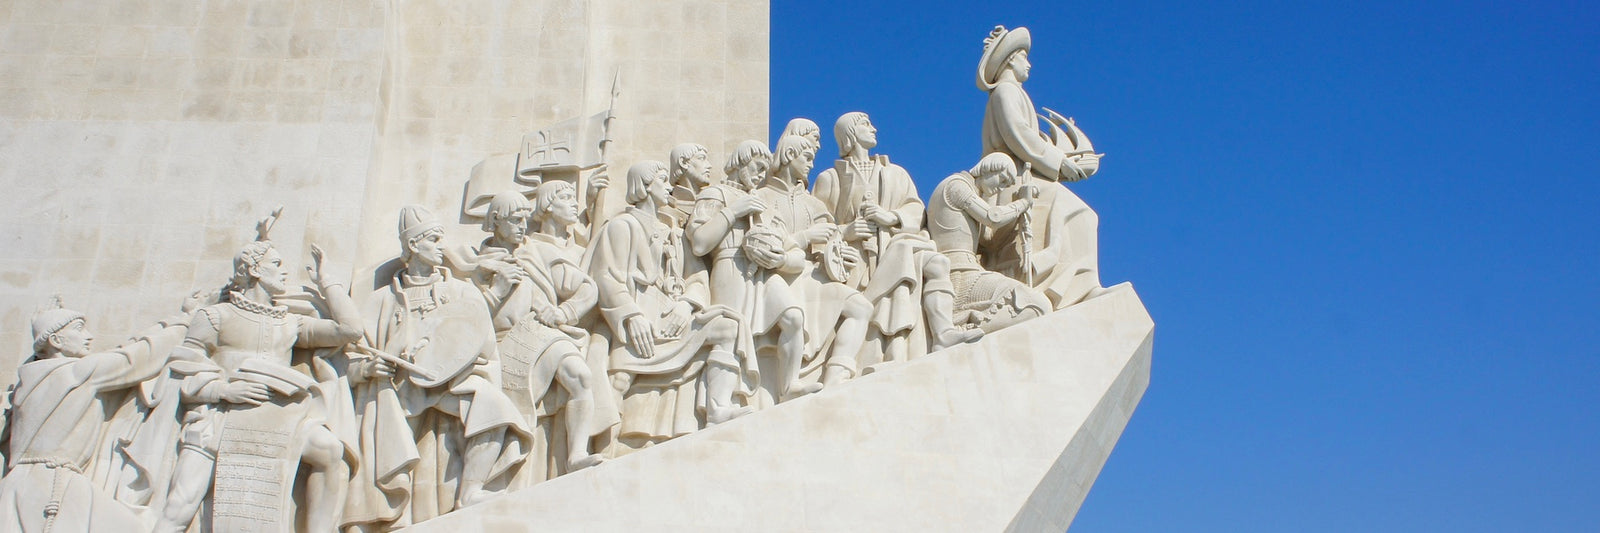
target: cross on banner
542 149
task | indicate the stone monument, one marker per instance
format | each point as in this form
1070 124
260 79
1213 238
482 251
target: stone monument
545 343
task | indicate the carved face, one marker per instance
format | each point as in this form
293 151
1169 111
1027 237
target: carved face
564 210
751 173
269 272
429 248
866 135
699 168
812 134
72 340
1020 65
800 165
512 227
660 191
991 182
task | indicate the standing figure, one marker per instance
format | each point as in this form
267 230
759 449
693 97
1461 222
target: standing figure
877 204
255 418
960 212
1062 261
440 434
536 322
834 311
750 259
58 421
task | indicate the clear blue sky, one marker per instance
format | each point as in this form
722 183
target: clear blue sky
1369 235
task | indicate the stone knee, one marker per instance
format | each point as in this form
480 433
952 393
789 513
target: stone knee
574 374
322 449
857 307
722 331
792 319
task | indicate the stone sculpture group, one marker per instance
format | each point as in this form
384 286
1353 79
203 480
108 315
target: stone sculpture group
566 336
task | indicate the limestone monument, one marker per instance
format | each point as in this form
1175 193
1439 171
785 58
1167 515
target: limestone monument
543 346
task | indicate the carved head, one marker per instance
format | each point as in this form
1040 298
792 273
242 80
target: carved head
994 172
259 263
556 202
748 164
805 128
507 216
647 180
60 331
691 164
796 155
854 129
421 236
1004 50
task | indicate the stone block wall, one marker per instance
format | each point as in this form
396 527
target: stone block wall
141 139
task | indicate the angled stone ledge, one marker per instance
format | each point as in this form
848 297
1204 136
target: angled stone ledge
1007 433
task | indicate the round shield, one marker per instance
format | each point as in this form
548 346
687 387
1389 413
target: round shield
454 340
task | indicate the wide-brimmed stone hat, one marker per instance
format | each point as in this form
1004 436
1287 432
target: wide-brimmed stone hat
997 48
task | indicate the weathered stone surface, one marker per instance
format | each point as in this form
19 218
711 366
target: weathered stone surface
1007 433
139 140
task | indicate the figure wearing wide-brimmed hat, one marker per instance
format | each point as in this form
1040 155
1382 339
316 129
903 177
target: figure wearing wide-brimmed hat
1062 257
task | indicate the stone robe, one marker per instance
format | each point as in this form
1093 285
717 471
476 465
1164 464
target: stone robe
1064 254
641 270
58 426
413 439
893 279
796 209
736 282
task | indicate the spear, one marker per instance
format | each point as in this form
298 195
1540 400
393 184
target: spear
1026 221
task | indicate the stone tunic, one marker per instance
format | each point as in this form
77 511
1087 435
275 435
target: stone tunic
893 274
1064 257
413 437
631 262
798 210
58 425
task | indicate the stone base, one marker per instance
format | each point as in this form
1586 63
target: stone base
1007 433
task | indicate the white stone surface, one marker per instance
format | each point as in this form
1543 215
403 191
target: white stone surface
1007 433
139 139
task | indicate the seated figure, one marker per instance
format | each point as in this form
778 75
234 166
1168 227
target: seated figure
836 313
668 341
908 281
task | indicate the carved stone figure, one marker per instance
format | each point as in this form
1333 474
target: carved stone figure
546 294
835 312
877 204
673 353
1062 259
58 423
438 433
749 261
255 418
960 212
